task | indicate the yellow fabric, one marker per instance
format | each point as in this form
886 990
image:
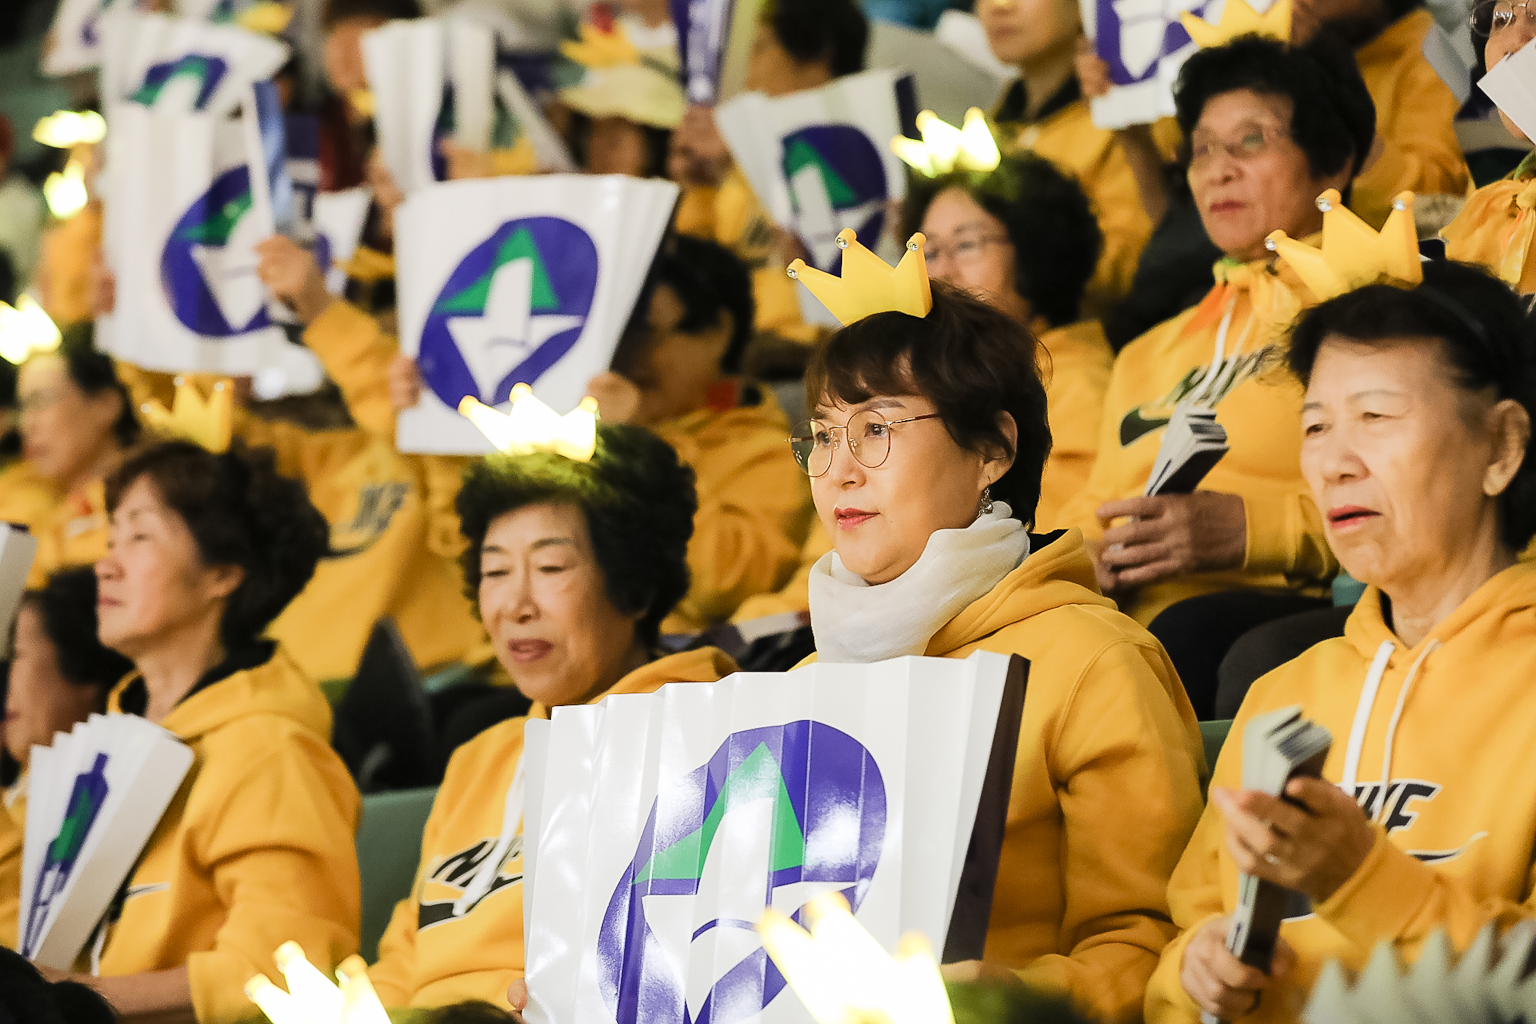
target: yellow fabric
1415 117
13 817
1466 725
1261 411
1106 783
478 954
1069 140
256 849
754 507
66 267
70 529
1496 230
793 597
1079 361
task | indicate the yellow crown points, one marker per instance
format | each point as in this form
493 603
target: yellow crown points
1239 19
600 49
1354 254
267 17
945 148
312 998
208 423
869 284
532 426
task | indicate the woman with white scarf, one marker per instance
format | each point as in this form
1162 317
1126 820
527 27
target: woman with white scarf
925 457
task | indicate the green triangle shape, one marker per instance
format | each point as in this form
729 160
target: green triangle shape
800 154
472 298
756 778
216 229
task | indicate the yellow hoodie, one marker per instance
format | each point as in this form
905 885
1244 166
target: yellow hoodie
793 597
431 954
1257 402
1456 841
1415 118
70 529
1080 361
13 814
255 850
1497 230
1106 784
754 502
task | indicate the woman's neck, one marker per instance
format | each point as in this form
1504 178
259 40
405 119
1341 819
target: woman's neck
1434 594
96 469
633 659
1043 77
173 667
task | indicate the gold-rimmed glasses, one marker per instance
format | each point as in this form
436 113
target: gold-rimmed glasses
868 434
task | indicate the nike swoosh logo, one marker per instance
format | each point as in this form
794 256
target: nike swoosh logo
1136 426
429 914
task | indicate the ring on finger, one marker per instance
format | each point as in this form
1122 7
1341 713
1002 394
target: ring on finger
1271 859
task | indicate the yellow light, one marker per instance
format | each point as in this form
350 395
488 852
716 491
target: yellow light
311 997
360 1003
65 190
320 998
945 148
25 329
532 426
279 1006
64 129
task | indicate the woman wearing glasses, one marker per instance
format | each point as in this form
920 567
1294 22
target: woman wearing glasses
1270 127
925 458
1497 228
1024 239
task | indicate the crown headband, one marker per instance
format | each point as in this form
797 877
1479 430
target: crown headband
207 423
868 284
532 426
1239 19
1353 254
945 148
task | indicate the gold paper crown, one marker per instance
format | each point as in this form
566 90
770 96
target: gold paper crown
266 17
1240 19
532 426
312 998
1353 254
599 49
205 422
944 147
869 284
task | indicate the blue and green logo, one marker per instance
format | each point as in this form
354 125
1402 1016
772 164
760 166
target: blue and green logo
208 268
511 309
778 815
197 73
836 180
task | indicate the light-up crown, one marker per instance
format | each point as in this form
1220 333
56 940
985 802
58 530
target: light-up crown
1353 254
1239 19
207 423
266 17
945 148
869 284
600 49
312 998
532 426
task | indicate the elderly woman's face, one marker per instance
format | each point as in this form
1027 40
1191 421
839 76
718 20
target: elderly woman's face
1249 178
970 249
40 701
880 519
1404 465
65 433
153 588
544 601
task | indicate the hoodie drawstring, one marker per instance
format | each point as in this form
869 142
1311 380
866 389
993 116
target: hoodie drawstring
511 824
1363 710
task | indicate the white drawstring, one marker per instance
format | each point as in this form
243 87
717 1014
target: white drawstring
511 824
1363 710
1397 714
1198 395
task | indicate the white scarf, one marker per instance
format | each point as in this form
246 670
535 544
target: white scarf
859 623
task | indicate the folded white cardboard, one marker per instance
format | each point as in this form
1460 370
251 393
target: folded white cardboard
17 550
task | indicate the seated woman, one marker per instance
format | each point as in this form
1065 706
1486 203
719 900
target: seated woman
925 460
621 115
1497 228
76 422
575 565
257 850
60 674
1024 239
1270 128
1416 437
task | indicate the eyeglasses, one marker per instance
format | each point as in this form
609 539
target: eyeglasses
964 252
1252 144
869 441
1490 16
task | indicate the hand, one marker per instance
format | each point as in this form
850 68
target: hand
698 154
618 397
784 247
103 286
1171 535
1220 983
404 382
464 162
386 194
1092 70
1313 848
517 995
292 275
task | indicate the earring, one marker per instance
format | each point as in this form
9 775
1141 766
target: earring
986 502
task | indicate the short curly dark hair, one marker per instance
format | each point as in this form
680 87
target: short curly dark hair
240 511
638 500
1056 238
834 31
66 605
1333 119
971 361
1487 337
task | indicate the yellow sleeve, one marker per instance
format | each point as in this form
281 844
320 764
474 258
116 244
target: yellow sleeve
280 852
356 354
1285 531
1122 743
1075 406
442 477
10 877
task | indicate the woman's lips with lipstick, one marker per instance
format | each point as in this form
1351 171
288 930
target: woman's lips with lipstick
1345 516
525 651
848 518
1226 206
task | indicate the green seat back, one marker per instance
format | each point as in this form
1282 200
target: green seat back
388 848
1214 734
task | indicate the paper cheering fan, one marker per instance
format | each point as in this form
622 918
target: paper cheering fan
17 550
659 828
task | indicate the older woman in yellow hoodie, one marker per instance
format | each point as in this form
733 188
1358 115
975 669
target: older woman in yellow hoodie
925 458
1270 128
256 849
1416 444
575 565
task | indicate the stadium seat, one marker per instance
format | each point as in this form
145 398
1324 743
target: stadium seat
1214 734
388 847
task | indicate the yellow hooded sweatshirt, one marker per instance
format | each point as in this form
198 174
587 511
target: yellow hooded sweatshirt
1415 118
70 529
754 502
1106 784
1497 230
434 954
1078 376
793 597
1257 402
1447 723
13 815
255 850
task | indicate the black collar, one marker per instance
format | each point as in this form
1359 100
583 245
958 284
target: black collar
135 696
1015 102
